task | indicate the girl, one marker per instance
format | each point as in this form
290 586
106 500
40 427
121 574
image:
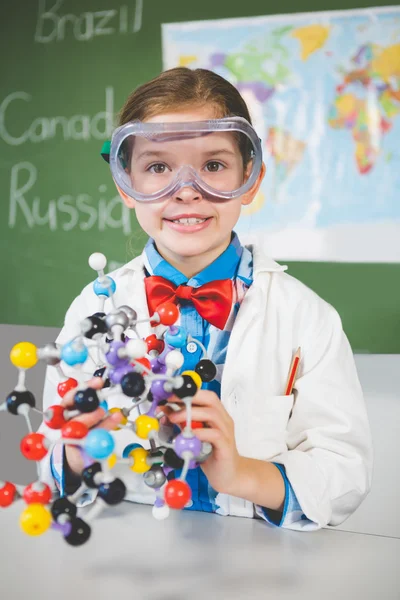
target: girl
186 158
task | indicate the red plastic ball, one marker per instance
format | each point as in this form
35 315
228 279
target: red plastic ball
195 425
74 430
154 343
143 361
33 446
57 420
7 494
66 386
177 493
168 313
42 496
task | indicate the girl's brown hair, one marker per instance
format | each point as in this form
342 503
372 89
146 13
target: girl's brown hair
183 87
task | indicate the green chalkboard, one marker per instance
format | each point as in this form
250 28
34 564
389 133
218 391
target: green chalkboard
67 67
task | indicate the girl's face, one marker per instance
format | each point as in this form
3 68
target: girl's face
191 247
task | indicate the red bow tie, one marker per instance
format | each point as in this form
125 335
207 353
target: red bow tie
213 301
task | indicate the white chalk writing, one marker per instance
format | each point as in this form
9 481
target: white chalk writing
52 26
66 212
76 127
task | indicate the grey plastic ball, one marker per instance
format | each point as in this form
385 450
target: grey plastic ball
130 313
117 318
50 354
155 477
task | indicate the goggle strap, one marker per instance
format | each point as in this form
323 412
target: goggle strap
105 150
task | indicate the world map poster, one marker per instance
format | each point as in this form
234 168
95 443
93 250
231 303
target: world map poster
323 90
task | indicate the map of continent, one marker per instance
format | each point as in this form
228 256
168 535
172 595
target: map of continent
323 90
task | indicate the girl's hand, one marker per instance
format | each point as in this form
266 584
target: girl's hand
91 420
222 467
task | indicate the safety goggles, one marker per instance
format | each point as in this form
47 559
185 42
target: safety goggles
221 159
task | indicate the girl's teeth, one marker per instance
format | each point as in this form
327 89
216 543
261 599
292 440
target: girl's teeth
191 221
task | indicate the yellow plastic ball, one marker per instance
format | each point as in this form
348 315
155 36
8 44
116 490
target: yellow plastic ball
195 376
24 355
35 519
139 456
112 461
124 419
144 425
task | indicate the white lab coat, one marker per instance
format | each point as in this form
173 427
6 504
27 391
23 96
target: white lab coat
320 433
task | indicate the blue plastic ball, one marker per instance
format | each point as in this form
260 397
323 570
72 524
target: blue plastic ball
178 340
74 353
99 444
104 288
128 449
104 405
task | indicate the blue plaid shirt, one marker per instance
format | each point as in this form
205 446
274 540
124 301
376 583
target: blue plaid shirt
235 263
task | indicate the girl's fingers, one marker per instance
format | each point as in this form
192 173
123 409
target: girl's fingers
167 410
205 415
213 436
91 419
111 422
201 398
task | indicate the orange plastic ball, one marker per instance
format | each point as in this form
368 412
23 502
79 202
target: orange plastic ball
54 416
8 492
74 430
33 446
39 493
66 386
154 343
168 313
177 493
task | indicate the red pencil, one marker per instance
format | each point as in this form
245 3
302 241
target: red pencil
292 373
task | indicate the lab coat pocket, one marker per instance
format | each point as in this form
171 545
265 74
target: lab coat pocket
264 435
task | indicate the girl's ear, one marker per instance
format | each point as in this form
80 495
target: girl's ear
249 196
128 201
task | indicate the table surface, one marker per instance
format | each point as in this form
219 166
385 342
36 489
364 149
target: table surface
193 556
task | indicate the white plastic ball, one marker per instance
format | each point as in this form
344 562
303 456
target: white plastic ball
174 360
160 512
97 261
136 348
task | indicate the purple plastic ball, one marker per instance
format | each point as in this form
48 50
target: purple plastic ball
112 354
158 391
183 444
157 366
117 374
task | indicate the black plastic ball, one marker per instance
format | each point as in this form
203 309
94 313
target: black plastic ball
189 388
79 534
99 372
86 401
97 327
206 369
88 474
16 399
133 385
109 340
99 314
63 506
173 460
112 493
